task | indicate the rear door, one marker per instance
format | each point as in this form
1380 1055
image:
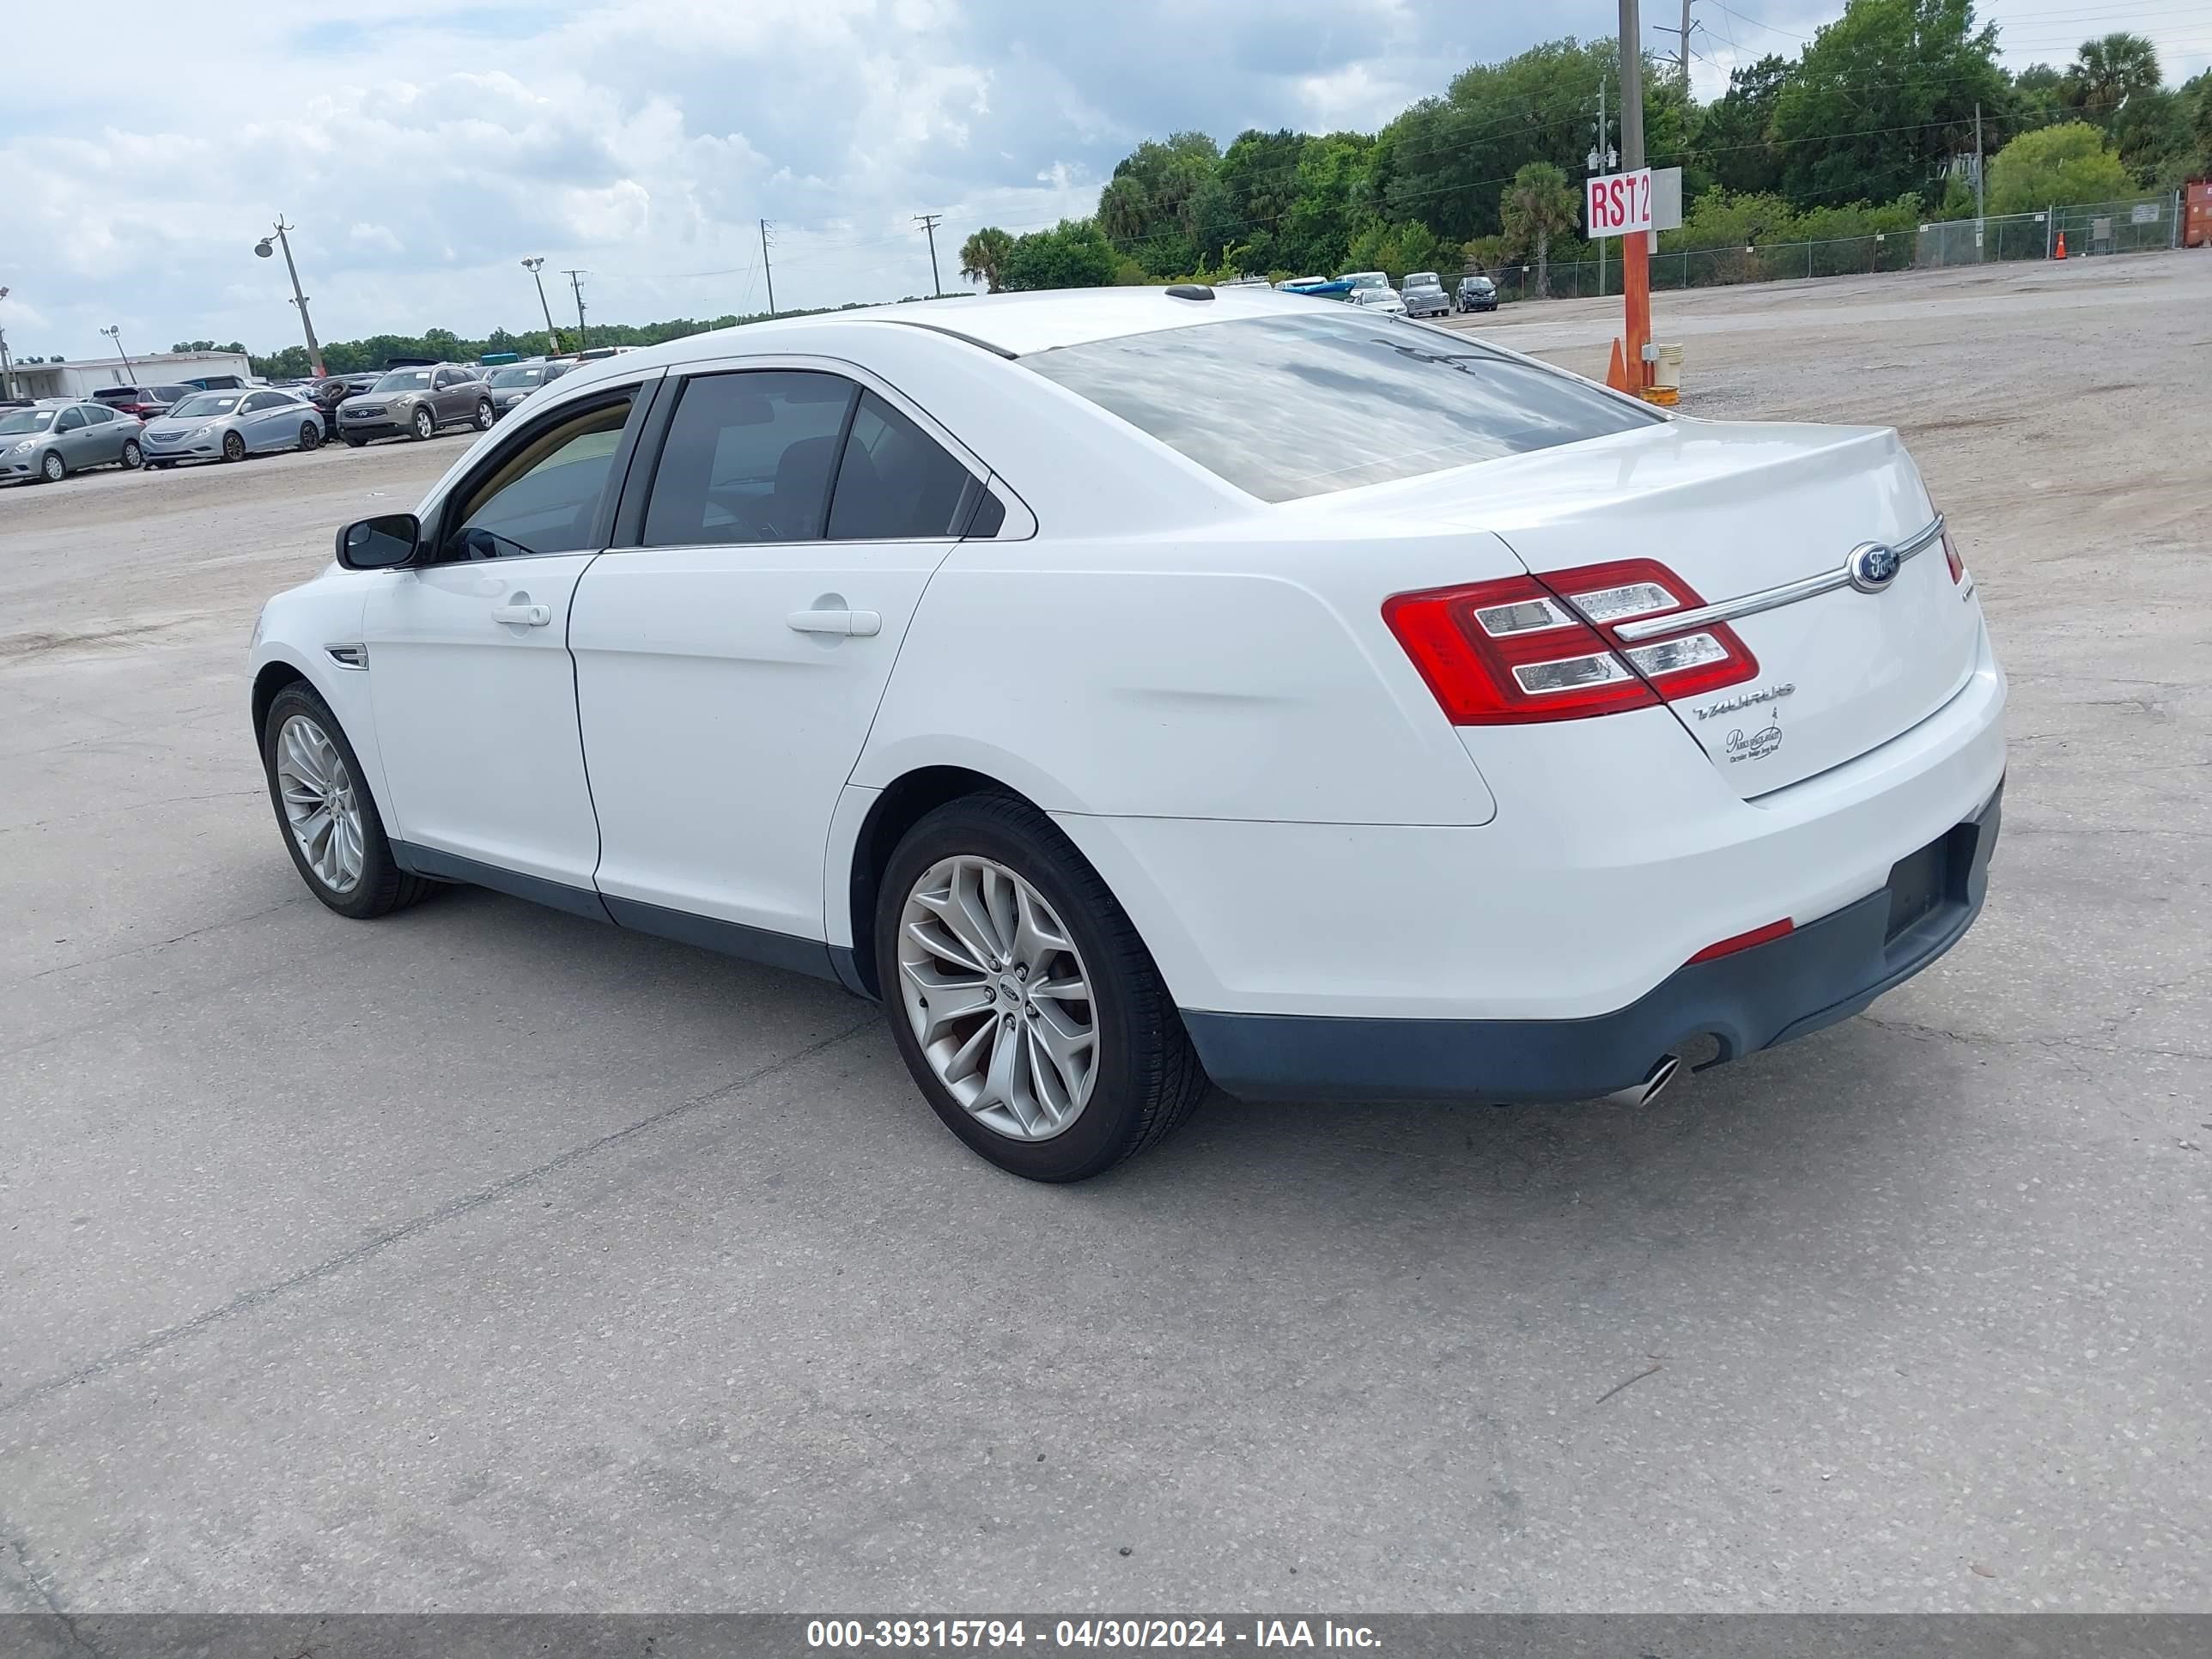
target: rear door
731 653
265 421
469 668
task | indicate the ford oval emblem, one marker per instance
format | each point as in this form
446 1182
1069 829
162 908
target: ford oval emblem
1873 567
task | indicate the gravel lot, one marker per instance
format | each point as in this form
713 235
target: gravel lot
484 1259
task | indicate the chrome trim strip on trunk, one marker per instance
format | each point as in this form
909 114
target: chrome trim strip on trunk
1773 598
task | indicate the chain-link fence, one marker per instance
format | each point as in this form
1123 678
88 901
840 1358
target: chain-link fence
2126 227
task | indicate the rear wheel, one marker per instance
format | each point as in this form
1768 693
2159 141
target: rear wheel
234 447
310 435
328 817
353 442
133 456
1022 999
425 423
484 414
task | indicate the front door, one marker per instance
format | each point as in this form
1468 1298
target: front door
468 659
728 667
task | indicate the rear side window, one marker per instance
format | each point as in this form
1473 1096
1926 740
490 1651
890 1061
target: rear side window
1348 400
749 457
895 482
545 494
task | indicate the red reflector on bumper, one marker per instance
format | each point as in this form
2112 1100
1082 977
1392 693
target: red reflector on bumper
1772 931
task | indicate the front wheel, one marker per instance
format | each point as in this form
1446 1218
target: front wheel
425 424
234 447
52 467
310 435
483 415
329 819
1022 999
133 456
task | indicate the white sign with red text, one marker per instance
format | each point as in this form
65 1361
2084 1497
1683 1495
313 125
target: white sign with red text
1615 203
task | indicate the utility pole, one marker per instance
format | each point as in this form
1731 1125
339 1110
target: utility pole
1636 246
576 287
315 349
767 269
535 264
929 222
1682 45
1601 156
1981 227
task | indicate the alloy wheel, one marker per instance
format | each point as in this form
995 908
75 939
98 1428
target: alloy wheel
234 447
998 998
424 426
320 807
133 456
53 468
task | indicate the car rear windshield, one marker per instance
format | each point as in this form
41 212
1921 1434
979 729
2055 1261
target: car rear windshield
118 394
1345 401
206 403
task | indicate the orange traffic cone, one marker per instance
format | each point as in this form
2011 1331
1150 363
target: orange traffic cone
1616 371
2062 246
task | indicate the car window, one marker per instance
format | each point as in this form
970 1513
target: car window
26 420
748 458
544 494
1349 403
72 418
94 414
895 481
258 402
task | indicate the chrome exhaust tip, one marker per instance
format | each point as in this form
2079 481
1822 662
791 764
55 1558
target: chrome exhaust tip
1643 1094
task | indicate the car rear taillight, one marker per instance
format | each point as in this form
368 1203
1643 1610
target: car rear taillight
1526 649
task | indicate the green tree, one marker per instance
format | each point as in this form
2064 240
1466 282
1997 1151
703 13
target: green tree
1735 138
1074 253
983 257
1539 205
1883 98
2107 69
2060 164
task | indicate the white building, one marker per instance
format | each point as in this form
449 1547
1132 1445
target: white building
81 380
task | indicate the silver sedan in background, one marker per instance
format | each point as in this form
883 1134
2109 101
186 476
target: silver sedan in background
49 442
228 426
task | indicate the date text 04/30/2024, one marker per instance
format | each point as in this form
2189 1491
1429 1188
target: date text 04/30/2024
988 1633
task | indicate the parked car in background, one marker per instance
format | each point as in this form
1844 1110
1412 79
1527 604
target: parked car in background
1476 294
512 382
216 382
45 443
326 394
144 401
228 426
1424 295
1384 299
417 403
1360 279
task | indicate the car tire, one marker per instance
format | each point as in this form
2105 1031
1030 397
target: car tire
133 456
234 447
311 435
357 877
485 415
352 442
424 424
1143 1077
52 469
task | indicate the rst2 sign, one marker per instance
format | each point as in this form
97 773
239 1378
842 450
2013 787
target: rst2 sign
1615 203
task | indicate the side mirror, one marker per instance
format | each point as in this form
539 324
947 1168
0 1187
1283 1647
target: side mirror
381 544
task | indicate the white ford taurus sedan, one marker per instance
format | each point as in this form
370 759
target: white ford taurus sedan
1134 687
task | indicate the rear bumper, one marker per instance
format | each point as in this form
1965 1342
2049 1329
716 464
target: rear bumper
1819 974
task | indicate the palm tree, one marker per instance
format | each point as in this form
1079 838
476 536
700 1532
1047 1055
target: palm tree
2106 70
983 255
1537 203
1125 212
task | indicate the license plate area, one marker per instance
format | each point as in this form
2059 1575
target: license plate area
1921 882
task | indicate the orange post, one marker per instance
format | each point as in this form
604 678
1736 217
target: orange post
1636 284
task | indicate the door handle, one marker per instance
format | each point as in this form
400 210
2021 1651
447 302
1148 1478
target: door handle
845 624
524 616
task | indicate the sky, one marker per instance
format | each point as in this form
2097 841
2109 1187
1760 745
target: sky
424 148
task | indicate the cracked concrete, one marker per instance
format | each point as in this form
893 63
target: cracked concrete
486 1260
